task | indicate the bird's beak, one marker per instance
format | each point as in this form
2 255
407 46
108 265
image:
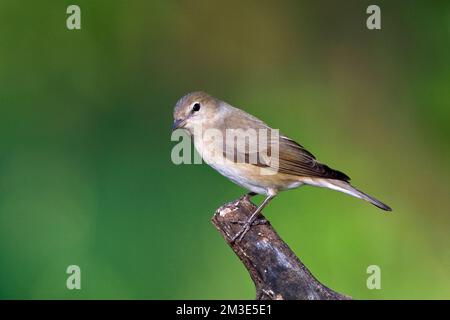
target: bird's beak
178 124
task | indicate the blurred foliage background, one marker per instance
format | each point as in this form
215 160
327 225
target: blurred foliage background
86 176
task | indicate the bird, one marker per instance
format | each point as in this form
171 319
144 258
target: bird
282 164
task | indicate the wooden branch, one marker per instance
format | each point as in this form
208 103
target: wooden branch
276 271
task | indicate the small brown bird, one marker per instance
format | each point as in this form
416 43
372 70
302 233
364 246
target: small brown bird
262 168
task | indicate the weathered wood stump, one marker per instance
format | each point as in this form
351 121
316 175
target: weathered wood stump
277 272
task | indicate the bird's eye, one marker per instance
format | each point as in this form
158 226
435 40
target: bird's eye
196 107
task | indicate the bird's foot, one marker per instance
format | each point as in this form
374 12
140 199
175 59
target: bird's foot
246 227
257 222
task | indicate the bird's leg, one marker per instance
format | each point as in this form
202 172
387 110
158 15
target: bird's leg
238 236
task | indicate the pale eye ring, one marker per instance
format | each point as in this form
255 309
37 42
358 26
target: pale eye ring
196 107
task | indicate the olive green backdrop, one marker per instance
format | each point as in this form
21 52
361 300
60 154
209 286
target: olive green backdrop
86 176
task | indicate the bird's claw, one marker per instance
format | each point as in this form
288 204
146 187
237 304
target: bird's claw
246 227
240 235
257 222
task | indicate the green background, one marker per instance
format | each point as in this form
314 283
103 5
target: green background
86 176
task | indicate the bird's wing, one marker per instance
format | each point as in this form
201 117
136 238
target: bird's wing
293 158
296 160
242 139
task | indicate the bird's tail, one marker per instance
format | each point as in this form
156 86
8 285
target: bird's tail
347 188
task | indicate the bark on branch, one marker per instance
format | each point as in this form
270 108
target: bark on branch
273 267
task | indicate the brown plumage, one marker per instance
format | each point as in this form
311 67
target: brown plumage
294 159
294 165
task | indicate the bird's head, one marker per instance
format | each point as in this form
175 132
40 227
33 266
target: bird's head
195 108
